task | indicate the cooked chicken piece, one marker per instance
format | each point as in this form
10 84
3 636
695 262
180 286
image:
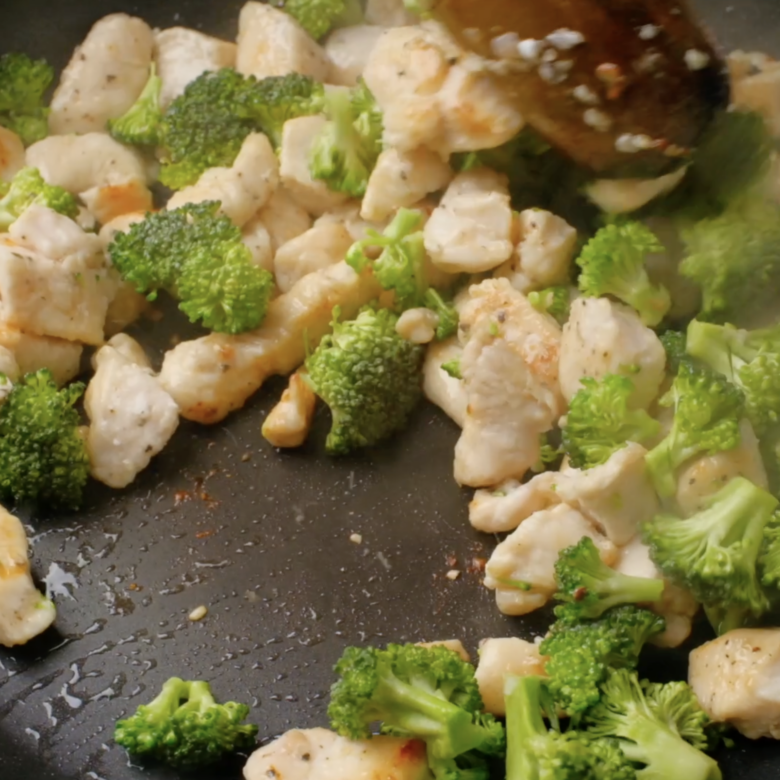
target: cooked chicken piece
619 196
471 230
758 89
211 376
244 188
521 569
544 255
49 298
297 137
317 248
118 225
439 387
289 422
502 656
131 417
348 215
24 611
390 13
678 606
349 49
603 337
9 368
319 754
734 678
401 179
104 77
417 325
11 154
405 71
272 43
451 644
284 218
183 54
257 239
80 162
616 496
501 509
62 358
110 201
706 475
510 377
126 305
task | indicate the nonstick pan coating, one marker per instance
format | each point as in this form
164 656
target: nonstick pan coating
262 538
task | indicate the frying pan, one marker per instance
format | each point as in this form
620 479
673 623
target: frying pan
261 538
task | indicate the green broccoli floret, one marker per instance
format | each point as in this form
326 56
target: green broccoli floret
581 652
447 324
673 342
534 751
590 587
707 412
43 458
715 553
23 82
652 729
735 260
599 421
140 124
748 359
318 17
769 558
613 263
27 188
369 376
554 301
416 692
184 727
369 120
196 255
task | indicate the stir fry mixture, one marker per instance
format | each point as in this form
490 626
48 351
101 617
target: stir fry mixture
350 200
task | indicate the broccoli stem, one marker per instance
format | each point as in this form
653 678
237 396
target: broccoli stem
199 697
664 460
621 588
160 709
711 344
522 696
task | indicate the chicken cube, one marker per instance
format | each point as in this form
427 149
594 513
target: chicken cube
11 154
315 196
440 388
417 325
317 248
603 337
401 179
348 215
31 353
283 218
9 370
500 657
735 679
319 754
390 13
244 188
183 54
471 229
104 77
131 417
450 644
348 49
289 422
760 92
110 201
528 556
503 508
125 307
544 255
118 225
620 196
78 163
211 376
272 43
24 611
257 240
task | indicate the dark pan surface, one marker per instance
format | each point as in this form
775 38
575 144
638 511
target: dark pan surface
259 537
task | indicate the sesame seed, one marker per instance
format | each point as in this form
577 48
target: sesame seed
530 49
565 39
649 31
505 46
453 574
598 120
552 75
550 55
630 143
586 95
198 613
356 539
696 60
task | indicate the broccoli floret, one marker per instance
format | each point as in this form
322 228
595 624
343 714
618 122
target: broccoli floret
140 125
447 324
735 260
590 587
554 301
415 692
534 751
549 454
369 121
184 727
651 728
673 342
318 17
769 558
715 553
613 263
599 421
23 82
43 458
197 256
581 652
707 412
369 376
27 188
748 359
